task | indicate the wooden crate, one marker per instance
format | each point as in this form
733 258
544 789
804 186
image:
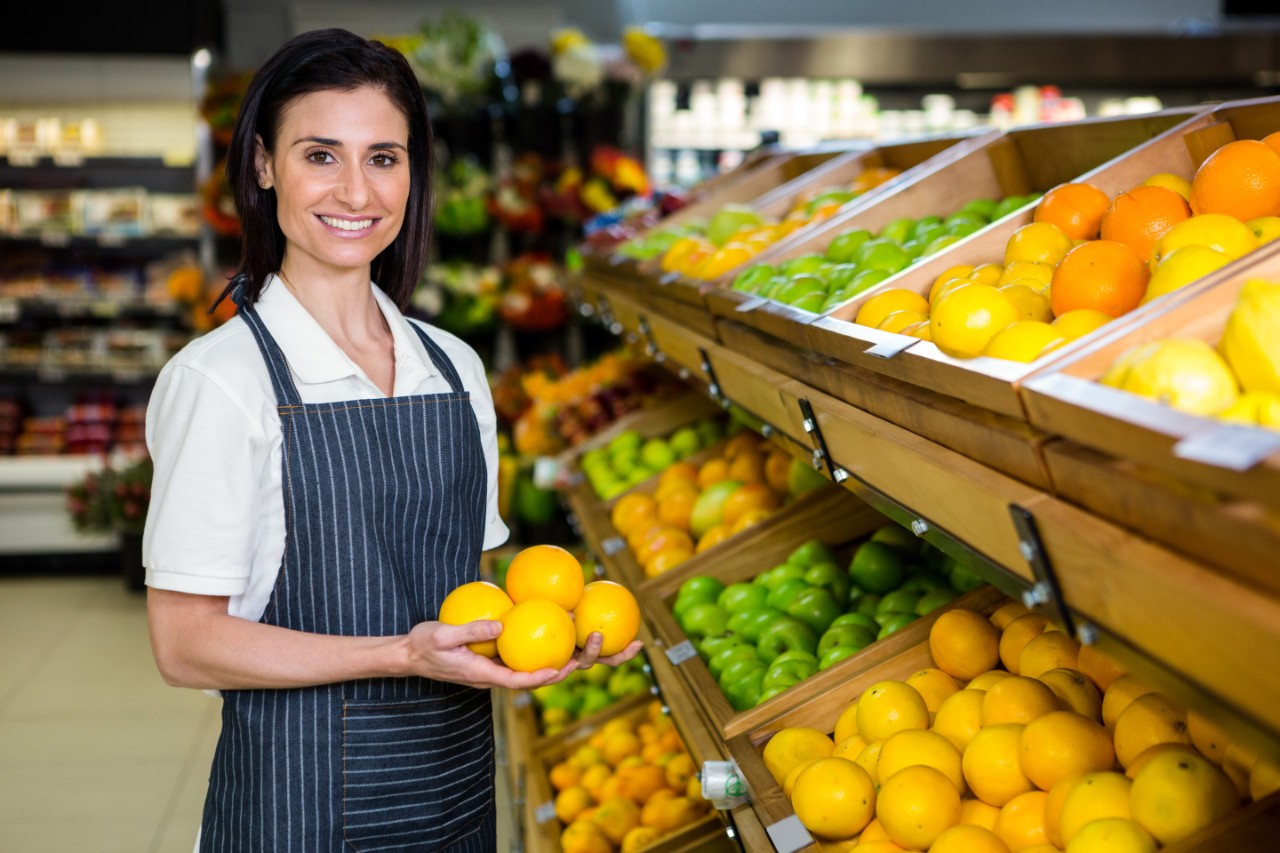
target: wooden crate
542 833
997 165
1068 401
994 383
1255 825
674 331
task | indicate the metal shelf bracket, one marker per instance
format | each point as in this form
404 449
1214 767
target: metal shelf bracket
1046 592
821 455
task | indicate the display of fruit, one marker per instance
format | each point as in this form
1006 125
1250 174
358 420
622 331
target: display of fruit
1016 737
547 610
629 784
629 458
857 260
759 638
1239 382
695 507
587 691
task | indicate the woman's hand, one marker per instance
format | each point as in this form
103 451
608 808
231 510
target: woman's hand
439 651
590 655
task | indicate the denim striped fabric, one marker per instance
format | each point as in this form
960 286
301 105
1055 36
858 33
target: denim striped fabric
384 502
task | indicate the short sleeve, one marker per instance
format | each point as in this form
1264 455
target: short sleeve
201 532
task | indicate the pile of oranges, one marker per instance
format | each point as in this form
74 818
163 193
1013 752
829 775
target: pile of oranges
1016 739
695 507
547 611
1089 258
628 785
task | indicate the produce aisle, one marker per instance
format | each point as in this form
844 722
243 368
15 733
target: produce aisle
966 477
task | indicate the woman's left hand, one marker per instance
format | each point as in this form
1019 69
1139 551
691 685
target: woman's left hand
589 655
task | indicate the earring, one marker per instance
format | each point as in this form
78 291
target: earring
265 185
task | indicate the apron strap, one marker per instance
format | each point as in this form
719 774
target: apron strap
281 380
438 357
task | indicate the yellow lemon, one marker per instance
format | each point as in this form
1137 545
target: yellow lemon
987 274
1170 182
992 766
968 318
1080 322
1226 234
1265 228
1094 796
959 717
875 309
1038 243
1050 650
1016 635
1264 778
1149 720
1184 373
1007 612
978 813
916 805
1207 736
1075 691
1255 408
1021 821
898 321
789 784
1053 808
1177 794
1026 271
889 707
792 745
1181 267
850 747
963 643
846 723
1144 758
914 747
1028 297
966 838
1024 341
1061 744
959 272
869 758
1098 666
1112 835
1122 692
918 330
1017 699
934 685
834 798
983 680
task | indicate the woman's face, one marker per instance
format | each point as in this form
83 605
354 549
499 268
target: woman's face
340 170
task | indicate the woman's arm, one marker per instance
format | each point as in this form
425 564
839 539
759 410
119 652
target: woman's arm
198 644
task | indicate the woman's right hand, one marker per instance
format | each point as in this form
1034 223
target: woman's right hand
439 651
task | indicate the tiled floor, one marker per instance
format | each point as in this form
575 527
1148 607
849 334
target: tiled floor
97 754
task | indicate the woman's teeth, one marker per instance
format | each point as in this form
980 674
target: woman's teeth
346 224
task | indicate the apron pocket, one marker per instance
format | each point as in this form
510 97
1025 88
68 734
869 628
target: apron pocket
416 774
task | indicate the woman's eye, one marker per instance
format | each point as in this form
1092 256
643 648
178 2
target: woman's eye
319 156
384 160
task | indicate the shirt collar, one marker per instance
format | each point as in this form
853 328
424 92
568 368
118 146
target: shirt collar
312 355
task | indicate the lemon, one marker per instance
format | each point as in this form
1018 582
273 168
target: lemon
1112 835
883 304
889 707
793 745
1039 243
1024 341
918 330
916 747
991 764
1178 794
965 321
1265 228
1251 340
1093 797
948 288
916 805
1019 270
898 321
1254 408
846 723
966 838
1082 321
1216 230
959 717
1186 374
1264 778
1181 267
1026 295
1170 182
956 273
834 798
986 273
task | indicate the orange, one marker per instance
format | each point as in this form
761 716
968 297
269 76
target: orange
1122 692
1144 758
1103 275
1021 823
740 442
777 471
1053 808
1093 797
850 747
792 745
564 775
978 813
662 539
633 511
683 471
679 770
619 746
610 609
789 783
847 723
751 495
1112 835
889 707
834 798
545 571
915 747
959 717
713 537
676 506
934 685
639 838
665 560
991 764
1061 744
1017 699
1016 635
747 467
749 518
916 805
1075 692
1076 208
635 540
536 634
1007 612
1148 720
1098 666
1240 179
616 817
965 838
473 601
1050 650
712 472
1141 216
572 801
1272 141
964 643
1208 736
640 783
1039 243
669 813
984 680
583 836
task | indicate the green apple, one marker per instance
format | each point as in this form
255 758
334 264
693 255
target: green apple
732 670
897 536
895 622
867 605
814 303
709 647
752 623
770 578
773 285
785 634
753 278
704 620
624 683
882 254
639 474
898 231
595 699
854 636
784 593
877 567
769 692
984 207
795 654
560 696
721 660
811 553
626 440
686 601
801 264
598 675
744 693
840 275
657 454
923 580
898 601
914 249
800 285
835 654
844 246
931 601
729 220
866 620
737 597
832 578
703 586
963 580
836 196
927 235
685 442
816 607
789 672
964 217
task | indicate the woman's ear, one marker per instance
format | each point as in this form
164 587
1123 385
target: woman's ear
262 164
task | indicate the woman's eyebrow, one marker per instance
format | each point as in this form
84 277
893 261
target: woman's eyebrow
334 143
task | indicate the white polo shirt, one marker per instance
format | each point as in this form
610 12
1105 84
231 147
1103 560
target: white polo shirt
216 523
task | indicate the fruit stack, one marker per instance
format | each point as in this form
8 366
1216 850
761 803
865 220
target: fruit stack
1017 738
629 784
1088 258
585 692
629 459
806 614
695 507
857 260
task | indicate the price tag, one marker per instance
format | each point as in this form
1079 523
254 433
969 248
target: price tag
545 471
612 545
521 699
545 813
789 835
681 652
895 345
1235 447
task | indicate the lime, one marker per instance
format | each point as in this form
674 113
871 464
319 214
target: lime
897 536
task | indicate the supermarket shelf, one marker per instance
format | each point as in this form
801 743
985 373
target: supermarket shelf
18 309
58 374
114 243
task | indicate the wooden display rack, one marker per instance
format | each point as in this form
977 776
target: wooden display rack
1176 493
993 383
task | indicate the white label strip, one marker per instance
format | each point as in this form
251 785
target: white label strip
612 545
895 345
545 471
545 813
1235 447
789 835
681 652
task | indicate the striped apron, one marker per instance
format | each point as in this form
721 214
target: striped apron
385 505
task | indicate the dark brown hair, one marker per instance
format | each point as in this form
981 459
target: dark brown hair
327 60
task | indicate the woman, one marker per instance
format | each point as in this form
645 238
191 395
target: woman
325 475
